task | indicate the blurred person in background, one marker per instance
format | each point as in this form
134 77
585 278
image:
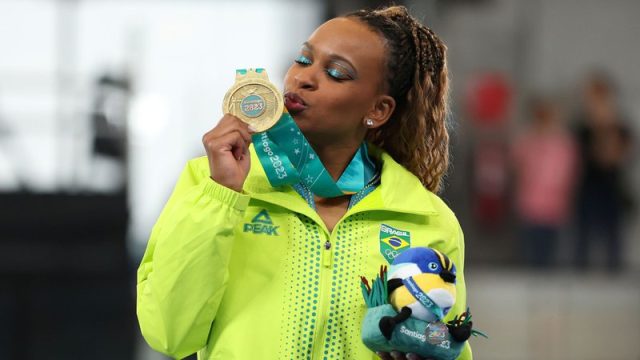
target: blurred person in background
544 163
209 282
604 140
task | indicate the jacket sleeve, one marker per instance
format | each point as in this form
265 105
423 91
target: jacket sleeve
183 273
455 252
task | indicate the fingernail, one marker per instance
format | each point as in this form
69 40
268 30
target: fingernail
396 355
252 129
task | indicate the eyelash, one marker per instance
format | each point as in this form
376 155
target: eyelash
303 60
333 73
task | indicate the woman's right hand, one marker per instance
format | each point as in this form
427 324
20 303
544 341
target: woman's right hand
227 147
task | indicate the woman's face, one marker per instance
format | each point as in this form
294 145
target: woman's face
336 82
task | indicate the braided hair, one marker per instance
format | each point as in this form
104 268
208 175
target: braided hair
416 77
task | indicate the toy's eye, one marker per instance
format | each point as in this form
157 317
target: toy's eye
433 266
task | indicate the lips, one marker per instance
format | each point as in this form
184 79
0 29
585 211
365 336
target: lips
294 103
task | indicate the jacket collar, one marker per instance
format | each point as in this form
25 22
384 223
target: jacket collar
399 190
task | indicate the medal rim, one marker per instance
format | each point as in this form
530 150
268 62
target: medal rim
253 80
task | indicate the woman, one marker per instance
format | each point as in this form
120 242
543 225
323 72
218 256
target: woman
604 142
237 269
544 161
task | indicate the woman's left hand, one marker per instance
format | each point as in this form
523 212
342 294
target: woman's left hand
396 355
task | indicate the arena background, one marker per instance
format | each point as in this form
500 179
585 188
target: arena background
102 102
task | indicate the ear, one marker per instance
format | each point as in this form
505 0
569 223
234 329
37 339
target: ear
381 111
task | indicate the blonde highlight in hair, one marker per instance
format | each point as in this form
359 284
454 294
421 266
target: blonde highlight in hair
417 78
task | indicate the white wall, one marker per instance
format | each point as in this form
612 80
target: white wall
28 95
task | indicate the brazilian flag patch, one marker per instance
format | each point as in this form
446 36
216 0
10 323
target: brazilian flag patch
393 241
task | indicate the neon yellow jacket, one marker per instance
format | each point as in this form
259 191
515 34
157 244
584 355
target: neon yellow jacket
258 275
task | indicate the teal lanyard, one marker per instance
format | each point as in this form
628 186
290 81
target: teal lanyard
288 159
355 198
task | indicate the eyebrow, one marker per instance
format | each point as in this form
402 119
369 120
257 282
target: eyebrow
353 71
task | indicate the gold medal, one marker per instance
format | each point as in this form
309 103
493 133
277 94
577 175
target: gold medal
254 99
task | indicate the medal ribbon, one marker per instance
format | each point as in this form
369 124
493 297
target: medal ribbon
288 158
423 298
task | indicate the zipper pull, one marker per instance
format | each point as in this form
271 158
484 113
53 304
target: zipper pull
326 261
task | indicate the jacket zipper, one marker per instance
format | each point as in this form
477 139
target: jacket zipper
323 296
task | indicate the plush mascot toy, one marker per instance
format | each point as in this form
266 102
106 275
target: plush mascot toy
406 310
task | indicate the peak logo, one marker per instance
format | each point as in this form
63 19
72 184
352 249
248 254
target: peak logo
261 224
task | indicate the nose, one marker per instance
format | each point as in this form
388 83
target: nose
306 78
